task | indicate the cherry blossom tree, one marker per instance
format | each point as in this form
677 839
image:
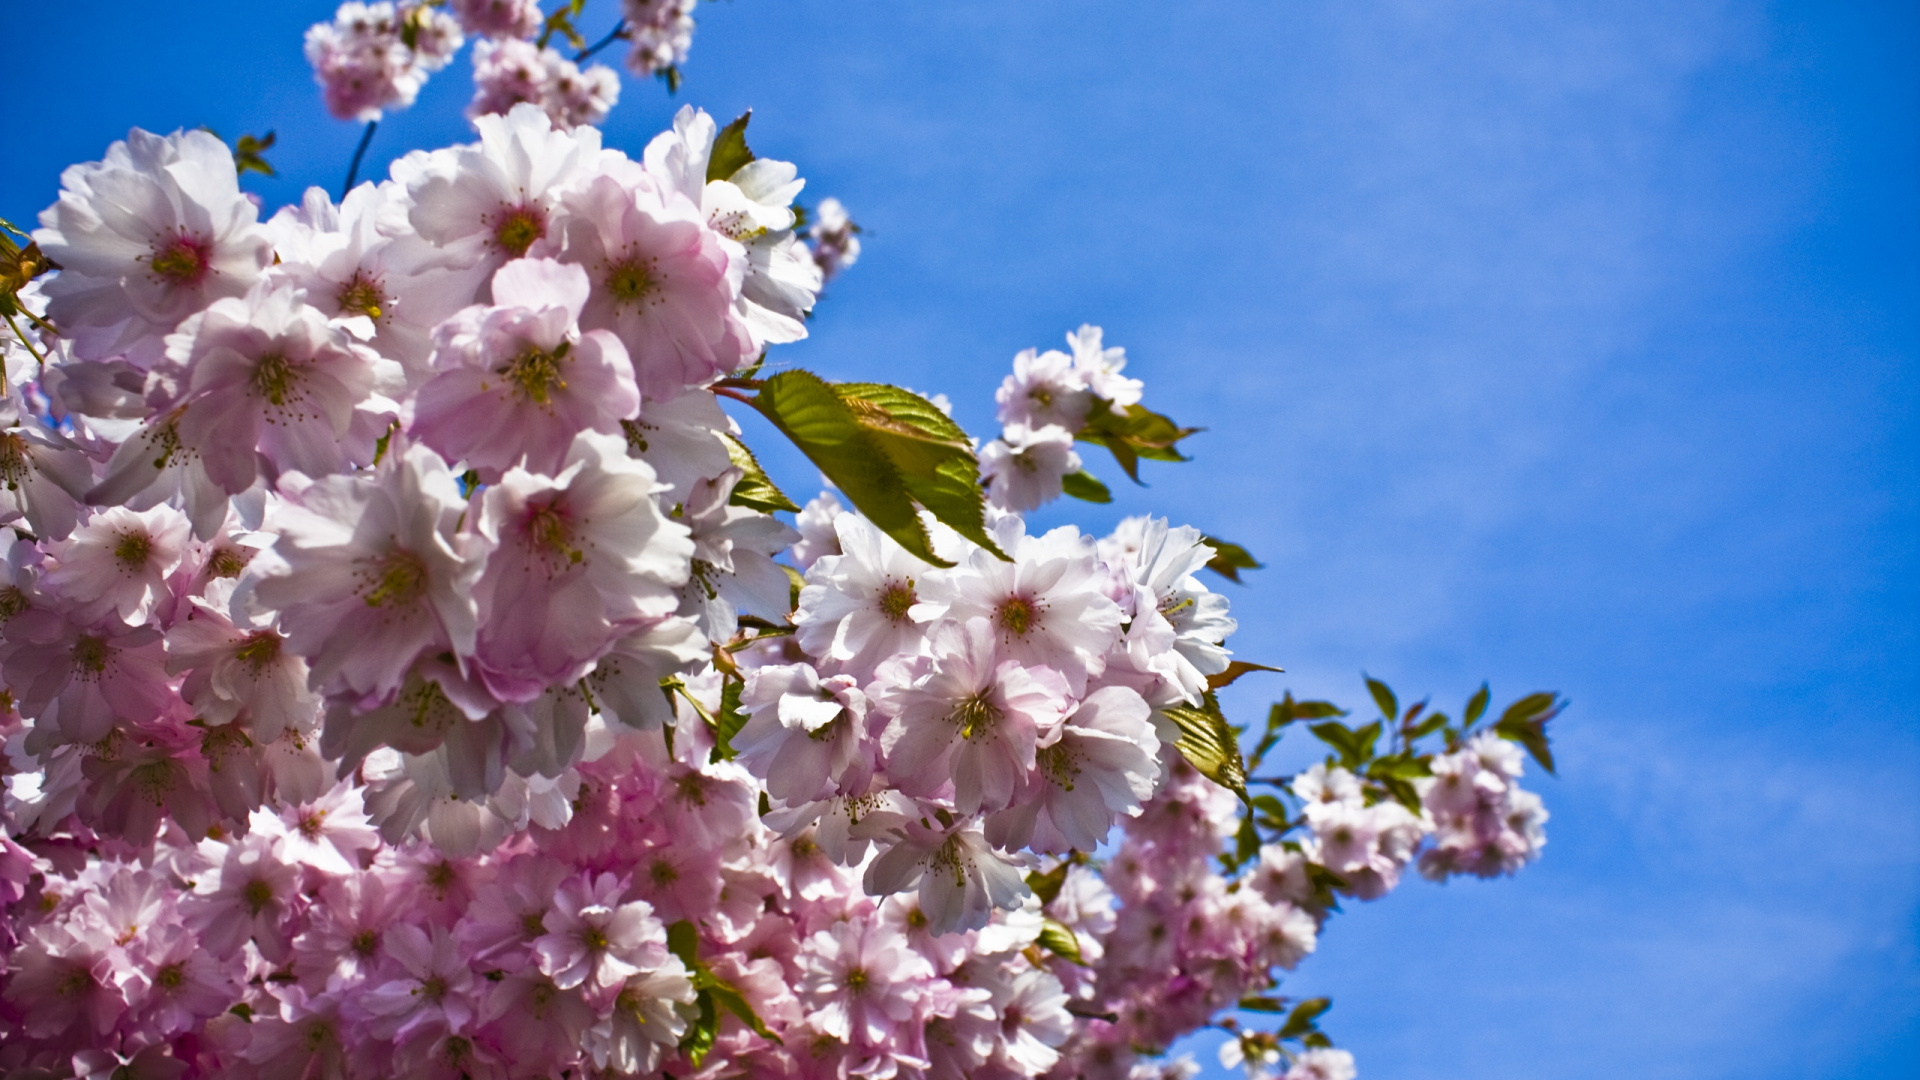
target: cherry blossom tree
410 671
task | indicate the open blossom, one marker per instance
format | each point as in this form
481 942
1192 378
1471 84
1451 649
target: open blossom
861 983
1104 764
234 670
1099 367
268 379
517 381
1046 606
752 206
1025 467
1044 390
862 604
116 565
487 203
962 879
1178 627
804 734
971 718
360 260
145 238
42 477
596 939
664 281
78 680
581 557
836 239
377 571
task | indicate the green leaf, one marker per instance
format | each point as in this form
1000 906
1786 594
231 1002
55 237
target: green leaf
249 155
754 491
700 1036
933 455
730 720
1048 885
1434 722
1402 792
1059 939
807 411
1234 670
1305 1017
683 941
1354 747
1086 487
1263 1004
1317 1041
1246 842
1209 743
671 76
730 153
1405 766
1525 722
729 997
1382 696
1229 559
1133 433
1477 704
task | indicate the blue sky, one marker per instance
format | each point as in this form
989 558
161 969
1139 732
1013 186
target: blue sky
1565 344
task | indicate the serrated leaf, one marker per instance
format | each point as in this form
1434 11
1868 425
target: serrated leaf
701 1034
1529 707
1383 697
807 411
1477 704
1304 1017
1230 558
933 456
754 490
1209 743
1086 487
1263 1004
1133 433
1059 939
795 582
730 153
1234 670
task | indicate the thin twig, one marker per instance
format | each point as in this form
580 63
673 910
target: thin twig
353 170
617 33
736 395
24 342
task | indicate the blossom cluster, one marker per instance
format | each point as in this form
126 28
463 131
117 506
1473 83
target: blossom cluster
376 56
401 677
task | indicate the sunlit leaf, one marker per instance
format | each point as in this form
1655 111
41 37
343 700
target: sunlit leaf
1059 939
1305 1017
1234 670
730 153
1086 487
1229 559
1209 743
754 491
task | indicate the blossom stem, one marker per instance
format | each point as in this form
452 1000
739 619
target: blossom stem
617 33
359 152
23 341
728 392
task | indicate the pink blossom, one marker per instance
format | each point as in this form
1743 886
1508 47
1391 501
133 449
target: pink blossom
117 563
498 18
862 603
804 734
233 671
427 990
860 983
1104 764
595 939
516 382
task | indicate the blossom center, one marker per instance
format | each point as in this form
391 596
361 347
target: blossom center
397 580
976 717
183 261
857 980
133 549
517 231
170 977
89 655
361 296
1057 763
13 460
433 988
630 280
550 531
364 943
1016 615
227 562
12 602
537 374
257 894
258 650
897 599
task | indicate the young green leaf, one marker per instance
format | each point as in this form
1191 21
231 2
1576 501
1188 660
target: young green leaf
1209 743
933 456
1525 722
807 411
1382 696
1229 559
1086 487
1477 704
1234 670
1047 886
1059 939
730 153
249 155
1134 433
754 490
1263 1004
730 719
1305 1017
